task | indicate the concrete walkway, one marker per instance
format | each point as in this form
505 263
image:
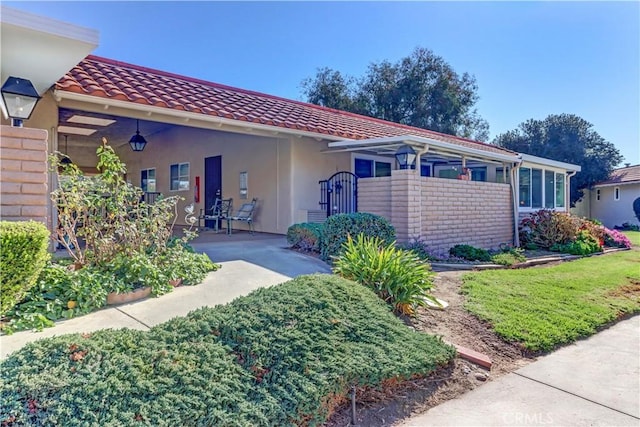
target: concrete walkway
594 382
248 263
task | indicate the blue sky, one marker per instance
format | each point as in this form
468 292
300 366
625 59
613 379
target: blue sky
530 59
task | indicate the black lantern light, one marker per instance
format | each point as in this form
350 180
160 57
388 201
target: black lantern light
406 156
20 99
137 141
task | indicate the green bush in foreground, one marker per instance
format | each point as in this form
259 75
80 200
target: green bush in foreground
284 355
24 254
396 275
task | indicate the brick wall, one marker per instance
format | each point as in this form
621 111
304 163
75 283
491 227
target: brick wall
24 191
466 212
442 212
374 196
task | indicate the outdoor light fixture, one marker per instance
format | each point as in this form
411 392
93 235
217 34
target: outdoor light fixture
137 141
20 99
406 156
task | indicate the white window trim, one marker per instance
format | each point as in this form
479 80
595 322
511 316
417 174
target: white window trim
155 178
616 192
527 209
188 178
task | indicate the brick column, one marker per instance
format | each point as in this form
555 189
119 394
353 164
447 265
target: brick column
406 209
24 180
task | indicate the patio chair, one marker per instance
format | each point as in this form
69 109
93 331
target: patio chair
219 211
245 213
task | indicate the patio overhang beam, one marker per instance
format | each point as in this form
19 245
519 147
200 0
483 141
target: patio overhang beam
97 104
417 142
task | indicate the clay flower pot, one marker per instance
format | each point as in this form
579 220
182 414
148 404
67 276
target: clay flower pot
137 294
175 282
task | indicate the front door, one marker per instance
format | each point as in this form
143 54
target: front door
212 183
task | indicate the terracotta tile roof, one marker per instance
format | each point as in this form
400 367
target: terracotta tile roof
626 175
107 78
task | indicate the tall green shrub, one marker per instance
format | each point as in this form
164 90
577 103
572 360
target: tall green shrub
338 227
396 275
24 255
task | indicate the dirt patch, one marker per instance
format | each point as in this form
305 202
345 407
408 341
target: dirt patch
391 405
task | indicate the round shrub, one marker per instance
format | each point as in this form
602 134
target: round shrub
24 255
305 236
338 227
470 253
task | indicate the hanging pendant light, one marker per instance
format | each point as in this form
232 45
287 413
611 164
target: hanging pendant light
137 141
65 158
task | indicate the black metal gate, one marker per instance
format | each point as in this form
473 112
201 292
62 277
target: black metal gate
339 194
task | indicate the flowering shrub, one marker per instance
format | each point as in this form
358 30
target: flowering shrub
616 239
559 231
545 228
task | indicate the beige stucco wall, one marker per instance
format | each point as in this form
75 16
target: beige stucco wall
24 178
614 212
441 212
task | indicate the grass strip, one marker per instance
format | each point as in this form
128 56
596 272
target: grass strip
545 307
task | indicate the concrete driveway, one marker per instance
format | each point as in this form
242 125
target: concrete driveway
248 263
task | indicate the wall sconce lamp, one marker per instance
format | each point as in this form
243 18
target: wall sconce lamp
406 156
20 99
137 141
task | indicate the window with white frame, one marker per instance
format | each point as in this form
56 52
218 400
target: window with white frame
540 188
502 175
148 180
179 173
370 167
616 193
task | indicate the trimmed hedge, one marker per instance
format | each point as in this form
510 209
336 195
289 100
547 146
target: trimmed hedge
285 355
24 254
338 227
305 236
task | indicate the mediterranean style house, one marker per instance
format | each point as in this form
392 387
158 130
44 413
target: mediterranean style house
611 201
302 162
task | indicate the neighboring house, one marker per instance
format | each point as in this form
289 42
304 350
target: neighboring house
206 139
611 201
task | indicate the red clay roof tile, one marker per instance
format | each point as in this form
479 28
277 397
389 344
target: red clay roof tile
107 78
626 175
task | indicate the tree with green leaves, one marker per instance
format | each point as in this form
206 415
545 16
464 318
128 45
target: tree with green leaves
565 138
421 90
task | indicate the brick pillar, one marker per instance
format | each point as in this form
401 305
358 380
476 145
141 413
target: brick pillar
23 180
406 209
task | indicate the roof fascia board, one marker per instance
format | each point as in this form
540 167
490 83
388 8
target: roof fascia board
421 142
548 162
46 25
616 184
214 122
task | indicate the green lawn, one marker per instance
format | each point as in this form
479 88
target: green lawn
634 236
542 308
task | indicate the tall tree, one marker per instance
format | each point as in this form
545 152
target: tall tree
565 138
420 90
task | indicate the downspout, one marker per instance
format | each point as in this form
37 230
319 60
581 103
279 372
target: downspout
567 192
515 179
418 162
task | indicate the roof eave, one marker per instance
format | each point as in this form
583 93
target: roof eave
420 143
187 118
548 162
